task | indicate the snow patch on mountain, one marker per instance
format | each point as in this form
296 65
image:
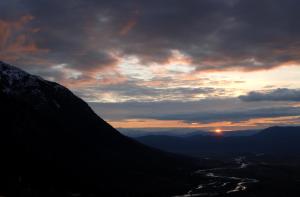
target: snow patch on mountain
14 82
14 79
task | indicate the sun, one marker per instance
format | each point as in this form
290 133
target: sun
218 131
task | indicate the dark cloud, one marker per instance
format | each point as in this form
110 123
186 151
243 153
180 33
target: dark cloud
232 116
66 31
92 60
86 34
280 94
206 110
16 40
125 110
131 91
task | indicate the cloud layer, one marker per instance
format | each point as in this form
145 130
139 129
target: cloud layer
206 110
207 114
216 35
280 94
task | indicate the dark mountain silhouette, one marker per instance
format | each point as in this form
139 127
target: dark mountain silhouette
53 144
241 133
181 132
273 140
225 134
134 133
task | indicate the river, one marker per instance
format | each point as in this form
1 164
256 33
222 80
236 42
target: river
216 183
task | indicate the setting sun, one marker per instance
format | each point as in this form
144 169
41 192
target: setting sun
218 131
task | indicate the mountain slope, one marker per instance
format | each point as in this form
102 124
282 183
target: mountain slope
52 143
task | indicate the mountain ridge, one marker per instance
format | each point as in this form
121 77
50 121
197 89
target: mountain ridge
273 140
55 144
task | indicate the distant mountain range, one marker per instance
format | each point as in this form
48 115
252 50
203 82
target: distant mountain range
180 132
53 144
273 140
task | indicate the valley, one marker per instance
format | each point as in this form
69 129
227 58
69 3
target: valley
247 175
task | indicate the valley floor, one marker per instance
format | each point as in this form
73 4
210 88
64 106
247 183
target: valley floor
247 175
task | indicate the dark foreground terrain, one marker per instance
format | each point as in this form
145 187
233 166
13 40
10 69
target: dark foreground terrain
248 175
263 164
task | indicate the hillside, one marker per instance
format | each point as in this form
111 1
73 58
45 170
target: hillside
53 144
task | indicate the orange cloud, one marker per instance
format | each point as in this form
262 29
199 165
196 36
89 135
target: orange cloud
16 39
131 23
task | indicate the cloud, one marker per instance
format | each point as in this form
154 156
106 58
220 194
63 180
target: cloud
232 116
130 24
206 109
91 61
280 94
70 35
16 39
215 35
176 45
227 113
132 91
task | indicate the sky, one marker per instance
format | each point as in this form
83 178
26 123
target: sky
207 64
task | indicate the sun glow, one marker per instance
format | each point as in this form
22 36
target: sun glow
218 131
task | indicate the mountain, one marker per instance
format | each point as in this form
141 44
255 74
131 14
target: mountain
273 140
225 134
53 144
241 133
181 132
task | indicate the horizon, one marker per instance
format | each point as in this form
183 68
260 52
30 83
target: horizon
185 131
